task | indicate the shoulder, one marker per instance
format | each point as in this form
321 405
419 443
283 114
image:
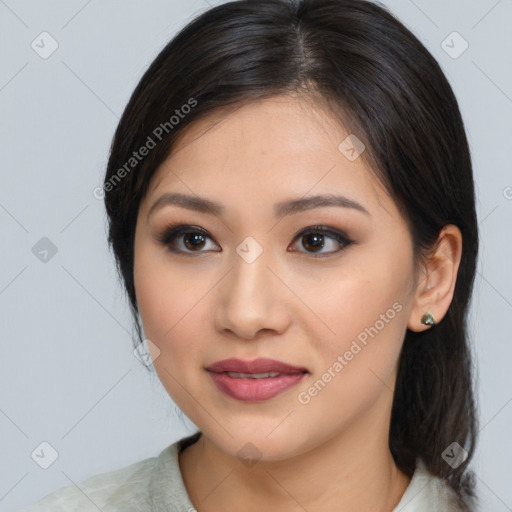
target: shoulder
427 493
133 488
100 492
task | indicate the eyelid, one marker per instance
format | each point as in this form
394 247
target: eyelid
324 229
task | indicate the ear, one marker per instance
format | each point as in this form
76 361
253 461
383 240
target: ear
436 279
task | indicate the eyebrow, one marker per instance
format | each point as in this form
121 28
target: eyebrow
281 209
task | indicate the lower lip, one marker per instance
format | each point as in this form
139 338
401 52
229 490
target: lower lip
255 390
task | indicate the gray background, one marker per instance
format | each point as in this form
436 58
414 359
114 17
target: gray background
67 372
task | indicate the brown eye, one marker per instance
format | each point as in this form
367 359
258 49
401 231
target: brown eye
193 240
313 241
185 239
315 238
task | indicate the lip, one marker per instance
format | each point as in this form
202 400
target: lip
252 389
260 365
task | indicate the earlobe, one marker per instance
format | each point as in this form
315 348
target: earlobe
436 282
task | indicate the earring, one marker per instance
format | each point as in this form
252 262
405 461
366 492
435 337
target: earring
428 319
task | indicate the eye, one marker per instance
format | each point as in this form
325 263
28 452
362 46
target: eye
314 240
184 238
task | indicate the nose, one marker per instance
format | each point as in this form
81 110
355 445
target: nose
252 298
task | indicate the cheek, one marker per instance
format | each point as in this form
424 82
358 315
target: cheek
357 297
357 364
164 292
169 317
172 309
366 312
169 307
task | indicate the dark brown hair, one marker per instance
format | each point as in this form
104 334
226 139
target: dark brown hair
385 86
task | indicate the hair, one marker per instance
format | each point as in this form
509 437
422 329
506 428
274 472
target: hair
384 85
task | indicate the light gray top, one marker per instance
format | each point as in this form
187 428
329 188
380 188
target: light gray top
156 485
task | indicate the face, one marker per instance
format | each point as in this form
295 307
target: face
322 288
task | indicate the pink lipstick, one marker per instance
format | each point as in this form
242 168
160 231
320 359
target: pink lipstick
255 381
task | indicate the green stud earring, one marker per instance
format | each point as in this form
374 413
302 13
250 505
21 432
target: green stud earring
428 319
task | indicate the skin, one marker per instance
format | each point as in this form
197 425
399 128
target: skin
199 307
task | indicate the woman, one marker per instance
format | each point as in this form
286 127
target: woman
291 208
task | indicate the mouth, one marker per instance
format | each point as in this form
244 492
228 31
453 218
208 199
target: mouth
267 375
255 381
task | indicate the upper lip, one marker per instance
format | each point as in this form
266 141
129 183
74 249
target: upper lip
261 365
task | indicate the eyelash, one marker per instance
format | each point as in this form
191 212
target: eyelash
169 235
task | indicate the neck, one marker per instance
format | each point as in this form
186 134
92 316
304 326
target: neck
353 470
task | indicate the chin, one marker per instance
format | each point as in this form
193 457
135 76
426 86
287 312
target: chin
254 443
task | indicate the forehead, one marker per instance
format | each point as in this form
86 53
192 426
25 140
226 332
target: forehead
281 145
